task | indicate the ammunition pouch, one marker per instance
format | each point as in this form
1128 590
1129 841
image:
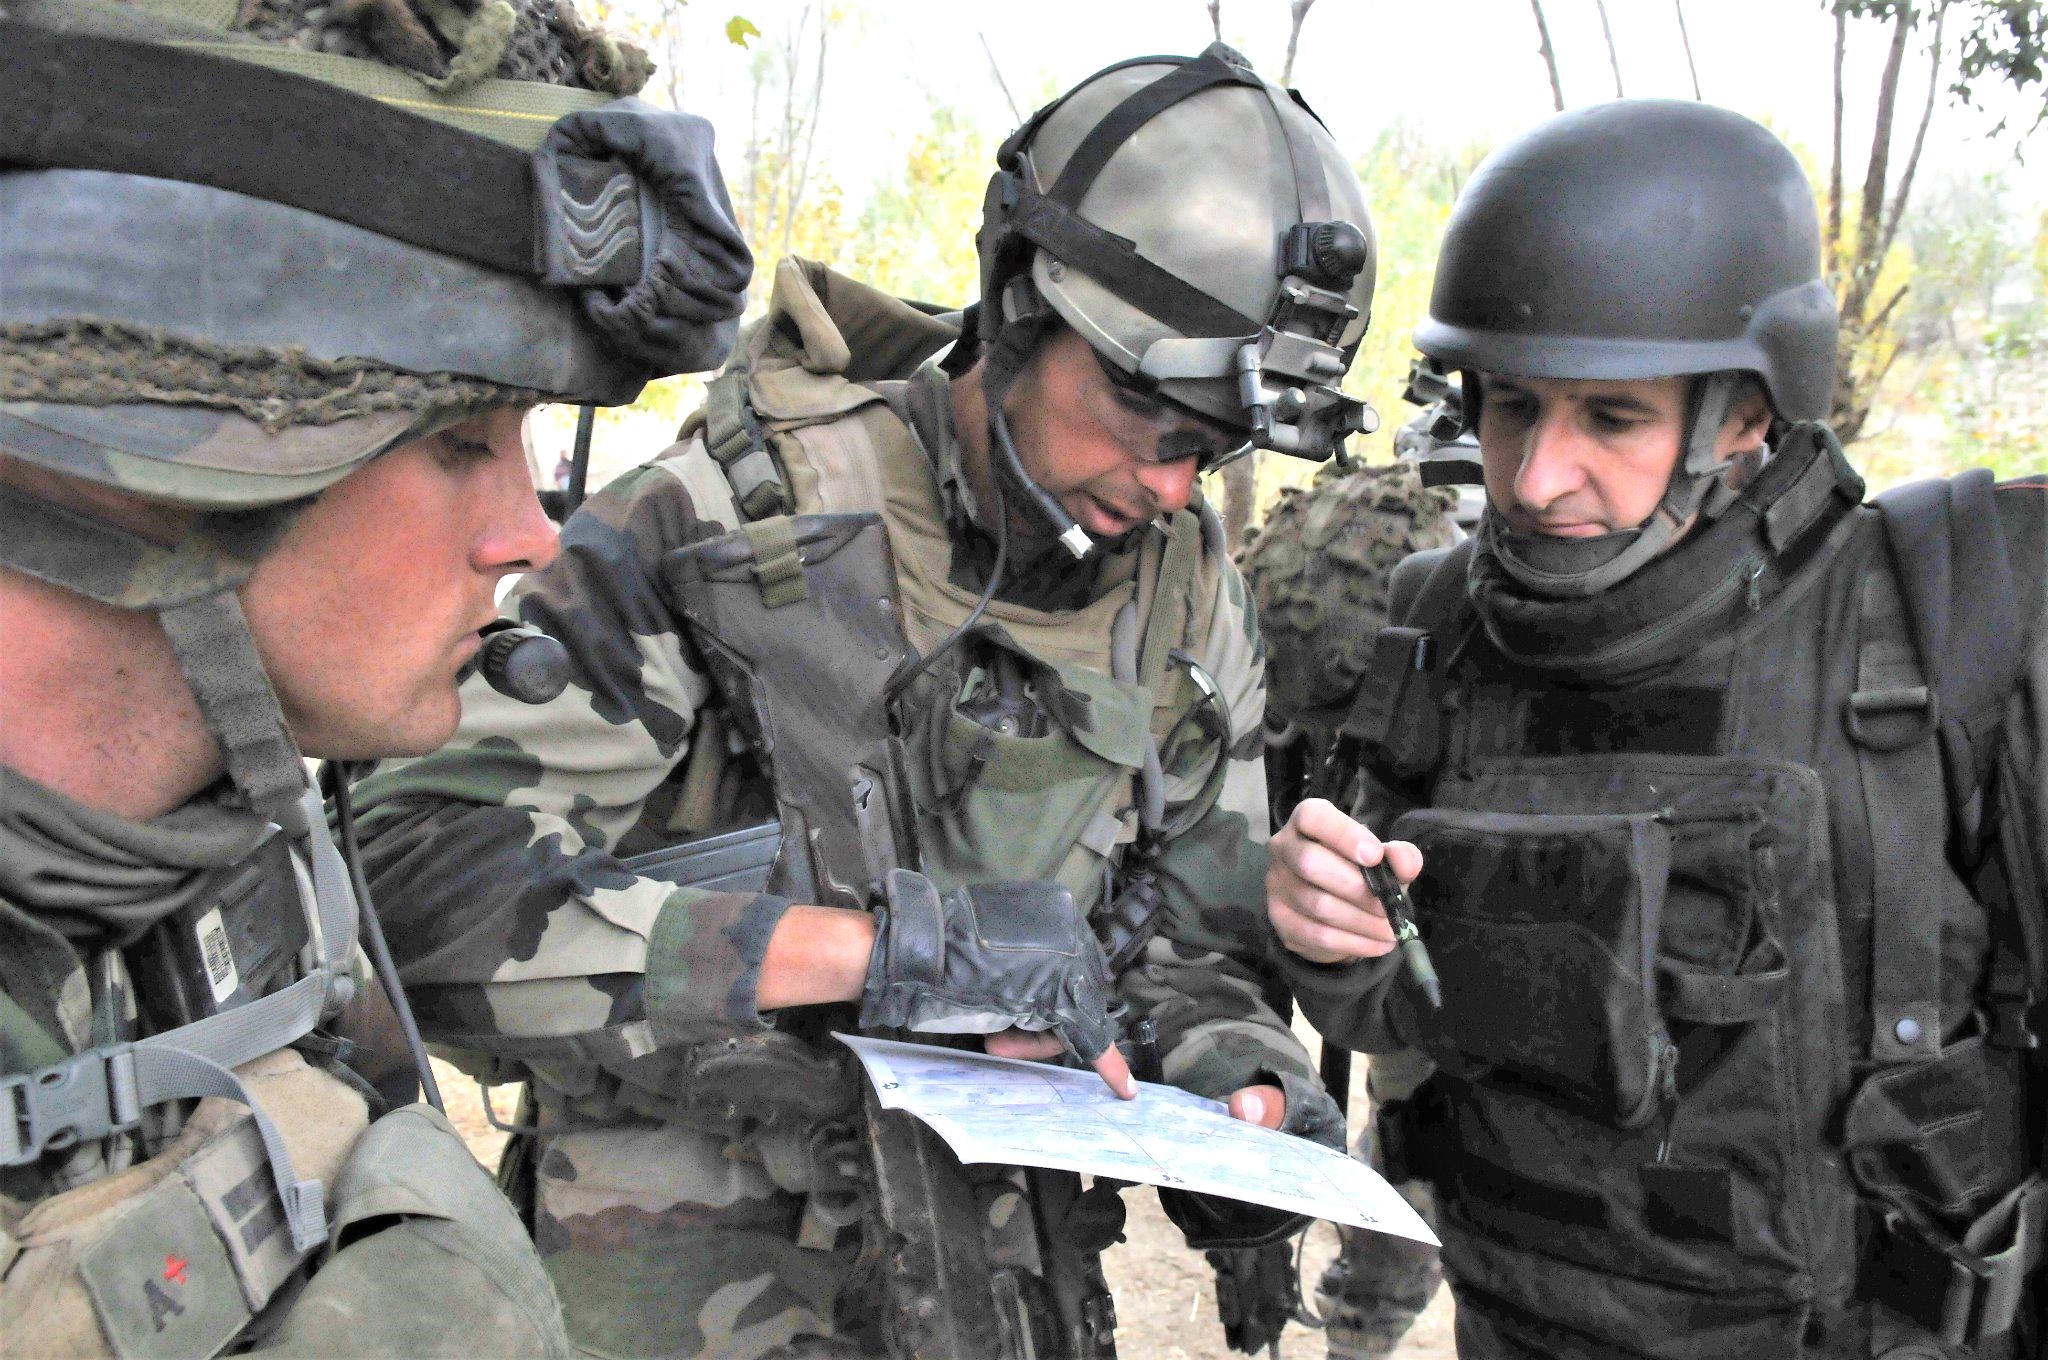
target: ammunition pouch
1961 1219
1396 711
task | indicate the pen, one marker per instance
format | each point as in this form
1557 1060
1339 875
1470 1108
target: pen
1401 916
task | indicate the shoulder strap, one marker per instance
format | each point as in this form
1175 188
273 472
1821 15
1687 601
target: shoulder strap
1426 588
1942 638
734 438
1948 547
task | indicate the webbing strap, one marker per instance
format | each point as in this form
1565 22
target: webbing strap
1171 605
734 439
1892 718
1970 1291
282 139
778 561
104 1091
77 552
1107 137
211 637
1115 263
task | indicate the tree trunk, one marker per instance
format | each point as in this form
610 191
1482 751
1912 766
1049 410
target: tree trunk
1549 55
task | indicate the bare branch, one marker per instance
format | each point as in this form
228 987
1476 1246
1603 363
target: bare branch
1898 209
1297 10
810 132
1613 58
997 71
1686 38
1871 210
1216 18
1549 56
1834 236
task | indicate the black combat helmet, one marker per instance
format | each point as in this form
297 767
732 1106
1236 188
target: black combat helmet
1639 239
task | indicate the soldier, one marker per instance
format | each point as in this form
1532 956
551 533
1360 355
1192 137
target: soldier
265 357
1176 266
1728 788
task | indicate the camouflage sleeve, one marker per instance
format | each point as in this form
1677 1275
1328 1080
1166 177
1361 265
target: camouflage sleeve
494 861
1208 980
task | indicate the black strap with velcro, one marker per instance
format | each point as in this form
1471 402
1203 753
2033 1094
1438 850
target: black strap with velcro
88 102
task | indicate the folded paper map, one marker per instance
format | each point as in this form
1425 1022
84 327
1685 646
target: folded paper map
1033 1114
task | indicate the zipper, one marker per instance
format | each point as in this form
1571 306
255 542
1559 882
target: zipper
1667 1097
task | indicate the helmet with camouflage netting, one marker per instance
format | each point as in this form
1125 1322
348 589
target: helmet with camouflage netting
249 246
401 214
1319 567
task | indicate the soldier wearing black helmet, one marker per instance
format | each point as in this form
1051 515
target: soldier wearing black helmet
993 554
1719 792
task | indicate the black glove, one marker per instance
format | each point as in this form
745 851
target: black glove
984 958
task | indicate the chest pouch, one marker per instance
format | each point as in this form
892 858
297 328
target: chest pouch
1025 767
1544 933
796 620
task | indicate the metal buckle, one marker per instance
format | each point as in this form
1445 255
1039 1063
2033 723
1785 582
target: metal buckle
57 1107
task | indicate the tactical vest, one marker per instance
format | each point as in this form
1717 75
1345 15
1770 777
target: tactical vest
796 437
1714 1059
185 1252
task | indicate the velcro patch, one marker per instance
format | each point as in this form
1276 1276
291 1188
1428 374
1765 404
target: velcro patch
232 1177
161 1283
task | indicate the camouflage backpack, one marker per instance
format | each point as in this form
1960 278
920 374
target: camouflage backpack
1318 568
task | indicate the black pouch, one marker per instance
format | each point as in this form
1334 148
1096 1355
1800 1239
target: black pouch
1917 1130
1544 932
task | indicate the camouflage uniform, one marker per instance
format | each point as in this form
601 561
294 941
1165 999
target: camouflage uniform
671 1225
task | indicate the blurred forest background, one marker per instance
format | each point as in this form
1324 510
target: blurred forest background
862 135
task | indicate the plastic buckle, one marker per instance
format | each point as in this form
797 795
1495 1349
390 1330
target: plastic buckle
1970 1280
68 1103
1891 719
2011 1023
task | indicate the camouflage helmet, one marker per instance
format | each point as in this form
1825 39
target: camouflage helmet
407 213
1198 227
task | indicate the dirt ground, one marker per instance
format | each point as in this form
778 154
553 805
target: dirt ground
1165 1294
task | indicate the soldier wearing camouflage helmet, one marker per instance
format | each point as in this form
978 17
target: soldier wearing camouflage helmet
273 307
1176 266
1720 791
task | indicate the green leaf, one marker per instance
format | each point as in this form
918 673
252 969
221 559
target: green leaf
740 29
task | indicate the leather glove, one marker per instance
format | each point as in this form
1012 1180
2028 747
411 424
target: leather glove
984 958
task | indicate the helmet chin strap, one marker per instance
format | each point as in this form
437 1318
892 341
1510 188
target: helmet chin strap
1571 568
